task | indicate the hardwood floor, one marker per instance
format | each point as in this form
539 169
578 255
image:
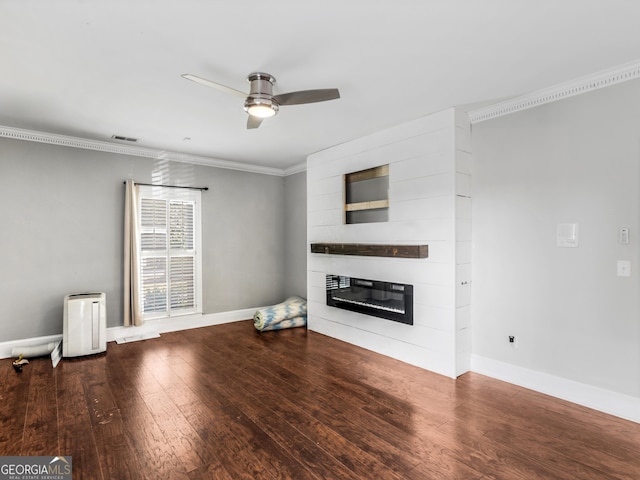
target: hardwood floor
225 402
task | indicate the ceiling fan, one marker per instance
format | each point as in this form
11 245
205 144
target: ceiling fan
261 103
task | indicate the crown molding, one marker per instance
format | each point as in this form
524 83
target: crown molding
588 83
298 168
86 144
605 78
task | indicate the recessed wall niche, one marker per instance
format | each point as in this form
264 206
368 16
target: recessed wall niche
366 195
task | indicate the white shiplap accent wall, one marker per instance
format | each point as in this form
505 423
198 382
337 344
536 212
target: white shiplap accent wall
463 244
429 196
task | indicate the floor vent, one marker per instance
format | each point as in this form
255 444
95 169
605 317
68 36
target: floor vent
138 338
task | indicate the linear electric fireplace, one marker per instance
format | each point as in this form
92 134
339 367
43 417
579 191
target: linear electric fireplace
392 301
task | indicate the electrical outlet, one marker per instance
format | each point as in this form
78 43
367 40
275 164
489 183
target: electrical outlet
513 341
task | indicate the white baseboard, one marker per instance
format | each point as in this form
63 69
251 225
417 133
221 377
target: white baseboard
150 327
185 322
613 403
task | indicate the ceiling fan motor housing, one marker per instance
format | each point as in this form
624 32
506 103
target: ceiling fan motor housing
261 93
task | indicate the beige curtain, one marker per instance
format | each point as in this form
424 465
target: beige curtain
132 314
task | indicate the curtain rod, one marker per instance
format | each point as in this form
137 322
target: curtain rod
168 186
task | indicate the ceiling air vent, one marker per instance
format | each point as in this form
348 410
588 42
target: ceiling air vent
124 139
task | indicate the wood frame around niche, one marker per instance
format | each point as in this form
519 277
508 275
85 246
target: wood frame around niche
369 173
372 250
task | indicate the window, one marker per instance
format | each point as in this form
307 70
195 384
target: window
170 265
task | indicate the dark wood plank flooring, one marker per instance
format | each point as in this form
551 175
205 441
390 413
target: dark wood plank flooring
225 402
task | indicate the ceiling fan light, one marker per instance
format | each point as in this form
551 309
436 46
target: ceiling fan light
261 106
261 111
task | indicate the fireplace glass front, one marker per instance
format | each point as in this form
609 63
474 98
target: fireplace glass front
392 301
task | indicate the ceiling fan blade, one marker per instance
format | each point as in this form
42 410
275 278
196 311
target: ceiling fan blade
218 86
307 96
253 122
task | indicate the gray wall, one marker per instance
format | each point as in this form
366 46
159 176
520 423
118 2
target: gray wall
295 239
573 161
62 215
243 229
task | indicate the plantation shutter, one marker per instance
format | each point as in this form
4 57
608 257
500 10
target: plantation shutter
168 261
182 262
153 245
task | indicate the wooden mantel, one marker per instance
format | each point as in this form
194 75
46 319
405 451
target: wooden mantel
371 250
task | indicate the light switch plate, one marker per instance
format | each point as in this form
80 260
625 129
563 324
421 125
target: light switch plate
624 268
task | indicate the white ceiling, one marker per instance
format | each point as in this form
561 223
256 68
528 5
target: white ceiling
95 68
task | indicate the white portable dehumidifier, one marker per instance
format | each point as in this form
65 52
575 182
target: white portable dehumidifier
85 324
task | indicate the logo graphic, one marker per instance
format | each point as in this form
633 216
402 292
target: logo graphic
60 459
35 468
